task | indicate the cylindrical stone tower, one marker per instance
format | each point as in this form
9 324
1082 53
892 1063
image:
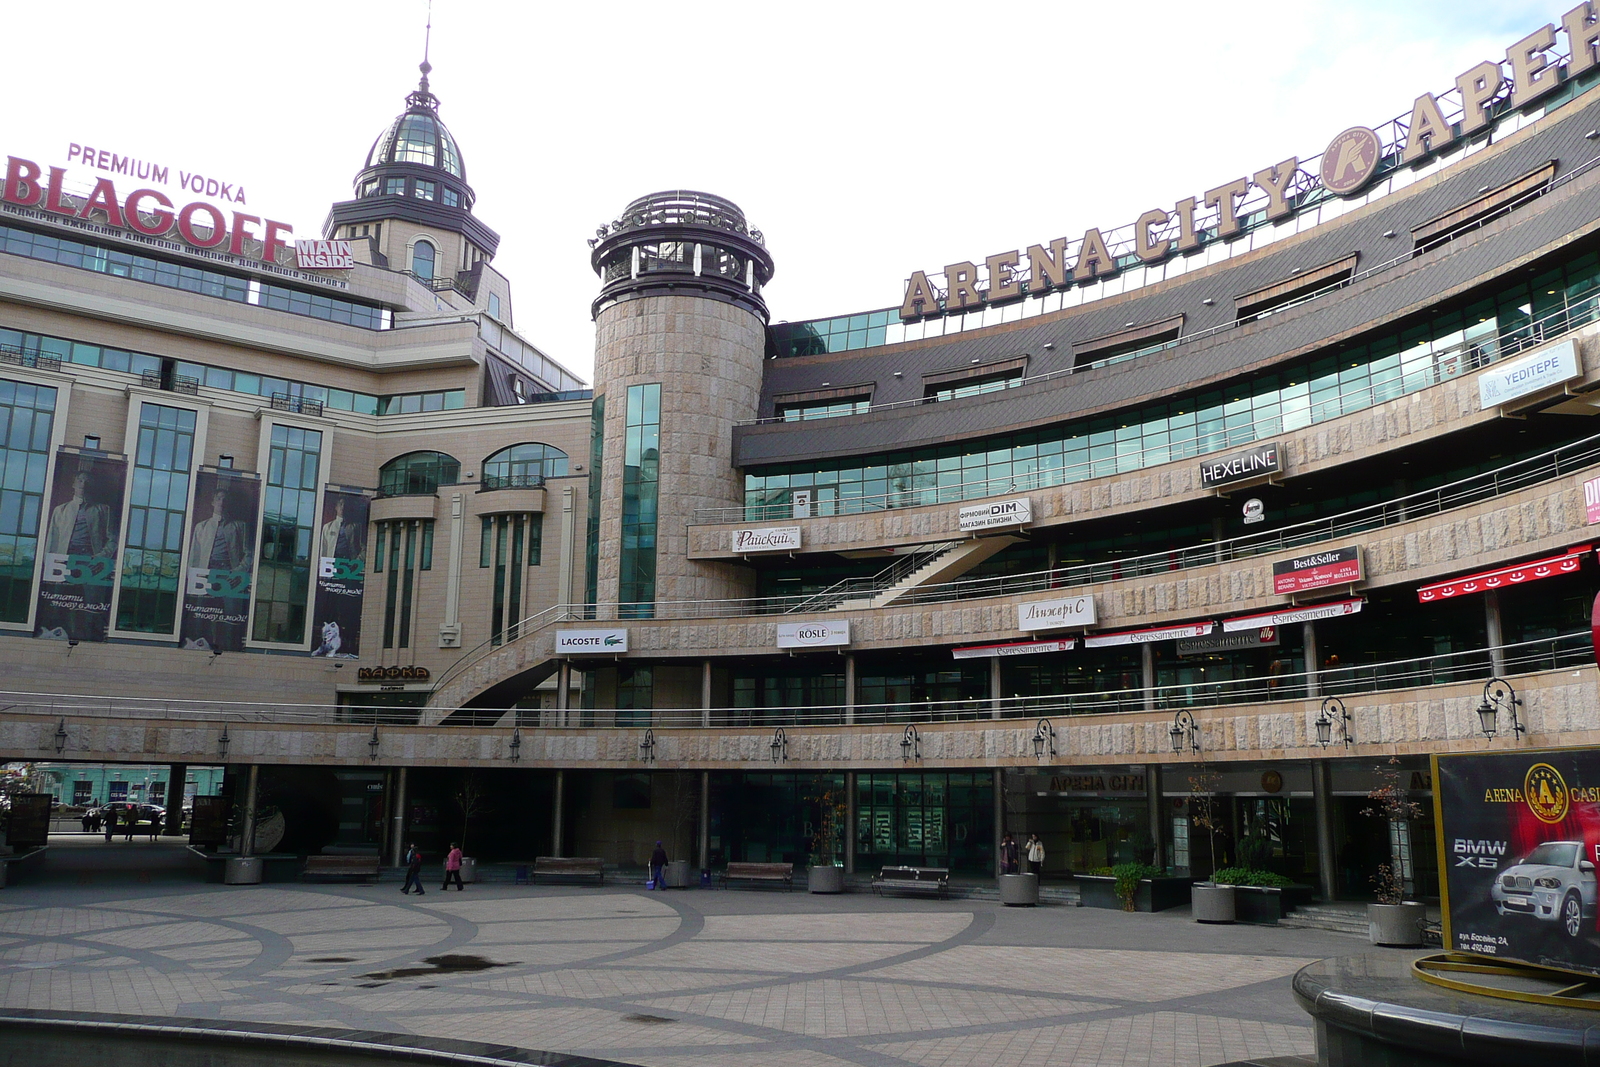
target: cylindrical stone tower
680 335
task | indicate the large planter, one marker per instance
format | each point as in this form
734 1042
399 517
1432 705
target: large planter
242 870
1213 903
1396 924
828 879
1019 890
469 869
1259 905
1152 894
676 874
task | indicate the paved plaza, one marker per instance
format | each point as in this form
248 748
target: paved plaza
667 979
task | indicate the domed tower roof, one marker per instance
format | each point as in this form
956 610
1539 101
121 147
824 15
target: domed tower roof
418 136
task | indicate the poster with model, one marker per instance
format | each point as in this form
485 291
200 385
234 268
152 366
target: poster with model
341 548
80 547
222 543
1519 840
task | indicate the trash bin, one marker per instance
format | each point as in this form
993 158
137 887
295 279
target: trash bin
241 870
677 874
1019 890
469 869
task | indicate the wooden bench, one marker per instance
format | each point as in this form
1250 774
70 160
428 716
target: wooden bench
570 867
363 867
759 872
912 880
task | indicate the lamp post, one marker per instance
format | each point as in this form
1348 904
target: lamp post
647 747
911 744
1044 737
223 740
780 745
1184 729
61 737
1498 694
1333 711
516 744
372 745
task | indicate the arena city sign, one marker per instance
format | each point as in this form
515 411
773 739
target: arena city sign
145 211
1530 70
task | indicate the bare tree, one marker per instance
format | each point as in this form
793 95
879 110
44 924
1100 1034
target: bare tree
472 799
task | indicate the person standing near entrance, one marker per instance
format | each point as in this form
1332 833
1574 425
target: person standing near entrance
658 867
108 816
1008 855
413 870
1035 856
452 869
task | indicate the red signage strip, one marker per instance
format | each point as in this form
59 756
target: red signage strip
1155 633
1014 648
1333 609
1483 581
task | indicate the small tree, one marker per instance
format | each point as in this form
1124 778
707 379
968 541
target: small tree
472 800
1392 803
830 822
1203 801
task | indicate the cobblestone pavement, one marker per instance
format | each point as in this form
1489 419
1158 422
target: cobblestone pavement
676 978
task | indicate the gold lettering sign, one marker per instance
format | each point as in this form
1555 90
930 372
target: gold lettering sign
393 674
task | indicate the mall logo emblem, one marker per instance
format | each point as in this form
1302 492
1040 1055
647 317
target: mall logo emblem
1350 161
1545 793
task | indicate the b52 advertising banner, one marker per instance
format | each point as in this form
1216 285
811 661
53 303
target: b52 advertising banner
1519 840
341 575
222 553
80 547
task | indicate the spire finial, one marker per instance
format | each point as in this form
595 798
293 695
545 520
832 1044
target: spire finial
427 41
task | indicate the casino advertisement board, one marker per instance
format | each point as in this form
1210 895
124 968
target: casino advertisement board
1519 841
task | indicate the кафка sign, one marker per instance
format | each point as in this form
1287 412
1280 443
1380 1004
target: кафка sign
1520 840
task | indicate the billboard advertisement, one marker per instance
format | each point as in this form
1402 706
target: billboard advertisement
80 547
1519 840
222 553
341 575
1338 566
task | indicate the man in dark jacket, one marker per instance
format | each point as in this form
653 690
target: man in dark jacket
658 867
413 870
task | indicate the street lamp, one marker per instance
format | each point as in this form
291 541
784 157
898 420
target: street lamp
911 744
1333 710
647 747
1184 729
1497 694
223 741
780 745
516 744
372 744
61 737
1044 736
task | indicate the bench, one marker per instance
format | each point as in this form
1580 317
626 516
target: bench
570 867
364 867
912 880
759 872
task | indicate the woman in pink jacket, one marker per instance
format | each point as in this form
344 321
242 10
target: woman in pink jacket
452 868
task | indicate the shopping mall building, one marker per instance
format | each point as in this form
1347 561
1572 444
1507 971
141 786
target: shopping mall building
1249 497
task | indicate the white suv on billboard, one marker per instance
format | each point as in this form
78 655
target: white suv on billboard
1553 882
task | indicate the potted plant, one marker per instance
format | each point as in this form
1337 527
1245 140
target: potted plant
1213 901
472 800
1391 918
826 875
1258 895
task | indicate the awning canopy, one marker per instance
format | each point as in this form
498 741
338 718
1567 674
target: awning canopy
1014 648
1563 563
1292 615
1141 637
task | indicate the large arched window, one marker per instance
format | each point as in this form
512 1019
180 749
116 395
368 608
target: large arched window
418 474
422 259
523 466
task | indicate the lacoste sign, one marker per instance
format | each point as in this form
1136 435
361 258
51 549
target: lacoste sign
570 642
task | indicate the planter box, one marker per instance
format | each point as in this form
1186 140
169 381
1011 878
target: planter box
1019 890
825 879
1396 924
1153 894
1213 903
1258 905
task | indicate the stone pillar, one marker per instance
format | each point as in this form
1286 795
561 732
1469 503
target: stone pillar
705 694
247 840
563 691
1308 630
1156 806
849 822
996 693
1493 632
177 776
999 813
1327 856
1147 664
555 815
397 821
569 546
705 820
849 688
450 628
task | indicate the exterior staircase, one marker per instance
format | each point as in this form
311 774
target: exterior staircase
939 564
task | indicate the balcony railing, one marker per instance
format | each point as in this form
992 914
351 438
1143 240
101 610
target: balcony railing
298 404
513 481
174 383
16 357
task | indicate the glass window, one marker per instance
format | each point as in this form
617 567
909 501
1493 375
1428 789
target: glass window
394 186
157 511
425 190
640 475
288 518
450 198
418 474
523 466
422 257
27 418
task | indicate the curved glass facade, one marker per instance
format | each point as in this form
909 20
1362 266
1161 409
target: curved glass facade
418 474
523 466
1347 379
641 469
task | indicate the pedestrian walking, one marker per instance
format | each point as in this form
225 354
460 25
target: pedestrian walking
130 819
1035 855
452 868
658 867
413 870
108 817
1008 855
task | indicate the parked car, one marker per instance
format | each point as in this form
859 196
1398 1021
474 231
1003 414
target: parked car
95 818
1554 883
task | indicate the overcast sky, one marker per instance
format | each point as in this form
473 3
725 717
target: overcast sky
866 139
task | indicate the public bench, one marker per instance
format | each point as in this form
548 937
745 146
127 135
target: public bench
759 872
570 867
912 880
364 867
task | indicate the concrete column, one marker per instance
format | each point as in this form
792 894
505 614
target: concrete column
397 820
1147 664
705 820
999 813
176 775
1313 661
705 693
569 544
849 688
849 822
247 841
1327 858
996 694
556 815
1158 813
563 691
1492 630
450 628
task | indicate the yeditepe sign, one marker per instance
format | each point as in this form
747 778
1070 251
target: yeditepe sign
1528 374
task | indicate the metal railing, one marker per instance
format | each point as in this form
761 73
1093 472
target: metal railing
1443 364
176 383
16 357
513 481
1562 652
298 404
849 589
